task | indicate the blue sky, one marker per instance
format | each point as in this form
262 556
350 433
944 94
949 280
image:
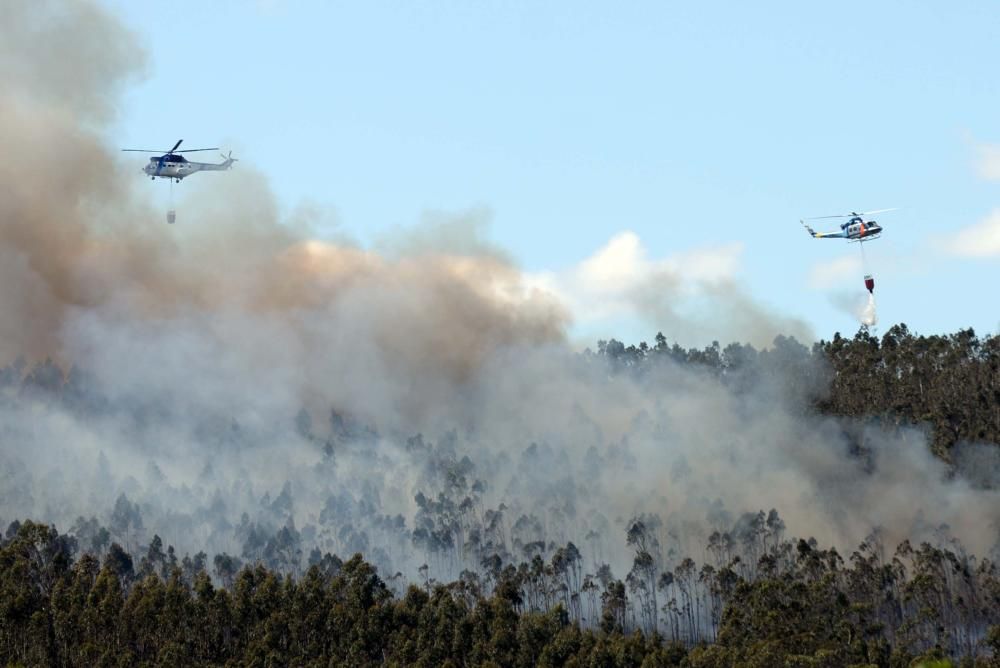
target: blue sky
695 129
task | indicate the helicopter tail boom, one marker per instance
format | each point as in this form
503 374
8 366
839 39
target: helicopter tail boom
821 235
227 163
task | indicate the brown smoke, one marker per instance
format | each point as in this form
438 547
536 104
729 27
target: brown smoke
75 235
232 312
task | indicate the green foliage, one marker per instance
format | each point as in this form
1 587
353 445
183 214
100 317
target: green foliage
950 383
813 612
61 613
759 600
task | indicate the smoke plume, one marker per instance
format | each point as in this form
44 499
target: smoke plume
231 374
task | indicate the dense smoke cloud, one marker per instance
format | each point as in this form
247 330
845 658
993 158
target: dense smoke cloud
690 297
197 346
78 245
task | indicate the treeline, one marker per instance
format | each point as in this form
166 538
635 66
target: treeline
948 383
804 606
502 583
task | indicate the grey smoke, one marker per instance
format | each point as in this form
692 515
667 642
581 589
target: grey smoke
200 345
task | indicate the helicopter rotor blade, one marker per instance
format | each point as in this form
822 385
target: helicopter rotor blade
171 151
853 214
868 213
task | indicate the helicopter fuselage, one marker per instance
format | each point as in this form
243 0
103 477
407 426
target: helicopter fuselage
172 168
858 229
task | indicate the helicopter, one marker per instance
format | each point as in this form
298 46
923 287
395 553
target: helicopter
172 165
856 229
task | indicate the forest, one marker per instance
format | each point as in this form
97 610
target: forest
250 439
390 547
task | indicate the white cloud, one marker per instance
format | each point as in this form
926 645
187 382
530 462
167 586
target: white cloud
834 272
605 284
692 297
269 8
979 240
989 161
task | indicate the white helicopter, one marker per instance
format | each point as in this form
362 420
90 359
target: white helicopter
855 229
172 165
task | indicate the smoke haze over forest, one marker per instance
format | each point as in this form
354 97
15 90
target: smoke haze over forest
233 374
